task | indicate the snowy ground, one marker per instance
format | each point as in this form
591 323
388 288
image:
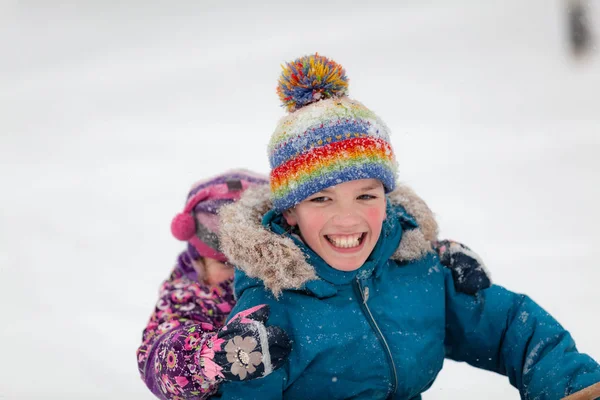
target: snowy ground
110 110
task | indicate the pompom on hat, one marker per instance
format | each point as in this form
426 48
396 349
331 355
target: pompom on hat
198 223
327 138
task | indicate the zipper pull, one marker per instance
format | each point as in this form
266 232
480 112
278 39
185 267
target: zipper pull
364 293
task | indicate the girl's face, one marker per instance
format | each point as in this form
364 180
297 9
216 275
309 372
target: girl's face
342 223
211 271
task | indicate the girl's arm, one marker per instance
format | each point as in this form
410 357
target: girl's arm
508 333
182 324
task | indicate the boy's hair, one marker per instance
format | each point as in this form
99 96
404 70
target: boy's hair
327 138
199 224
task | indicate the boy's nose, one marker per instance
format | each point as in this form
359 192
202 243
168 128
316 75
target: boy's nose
345 218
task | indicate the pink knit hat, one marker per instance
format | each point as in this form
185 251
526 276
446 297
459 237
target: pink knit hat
198 224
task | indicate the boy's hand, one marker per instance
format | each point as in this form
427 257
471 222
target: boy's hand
468 270
245 348
589 393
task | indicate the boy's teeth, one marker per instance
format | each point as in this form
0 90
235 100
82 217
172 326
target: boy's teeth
345 242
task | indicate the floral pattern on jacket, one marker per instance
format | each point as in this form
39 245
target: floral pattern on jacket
186 316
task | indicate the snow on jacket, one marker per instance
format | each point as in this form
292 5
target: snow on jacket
185 317
384 330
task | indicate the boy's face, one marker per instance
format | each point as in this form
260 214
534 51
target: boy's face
342 223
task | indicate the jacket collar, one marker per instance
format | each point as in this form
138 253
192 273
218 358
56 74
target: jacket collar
385 247
254 239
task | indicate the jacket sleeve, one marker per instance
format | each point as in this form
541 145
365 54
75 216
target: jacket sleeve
508 333
272 386
185 317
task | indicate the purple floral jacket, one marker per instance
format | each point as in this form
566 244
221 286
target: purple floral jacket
186 316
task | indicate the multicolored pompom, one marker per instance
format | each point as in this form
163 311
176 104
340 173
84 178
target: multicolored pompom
309 79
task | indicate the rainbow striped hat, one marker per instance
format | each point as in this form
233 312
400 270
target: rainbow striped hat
327 138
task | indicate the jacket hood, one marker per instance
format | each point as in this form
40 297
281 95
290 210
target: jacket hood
279 262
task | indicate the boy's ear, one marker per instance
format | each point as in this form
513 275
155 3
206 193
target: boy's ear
290 217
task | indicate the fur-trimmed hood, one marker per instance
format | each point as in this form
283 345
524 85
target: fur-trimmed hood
279 262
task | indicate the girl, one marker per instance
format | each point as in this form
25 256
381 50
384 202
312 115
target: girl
342 255
180 356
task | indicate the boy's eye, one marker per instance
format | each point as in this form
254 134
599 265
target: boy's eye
320 199
366 197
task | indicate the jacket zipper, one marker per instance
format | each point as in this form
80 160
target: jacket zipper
364 294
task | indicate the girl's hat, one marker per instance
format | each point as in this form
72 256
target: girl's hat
198 223
327 138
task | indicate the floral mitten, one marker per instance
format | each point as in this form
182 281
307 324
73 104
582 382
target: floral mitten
245 348
468 271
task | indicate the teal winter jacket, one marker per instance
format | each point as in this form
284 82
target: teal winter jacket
383 331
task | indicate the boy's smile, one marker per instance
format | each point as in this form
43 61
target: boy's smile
342 223
350 242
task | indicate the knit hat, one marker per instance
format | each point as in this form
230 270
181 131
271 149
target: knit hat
198 224
327 138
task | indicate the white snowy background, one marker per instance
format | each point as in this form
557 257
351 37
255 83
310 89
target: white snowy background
110 110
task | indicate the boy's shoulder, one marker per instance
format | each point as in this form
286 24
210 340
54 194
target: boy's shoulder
453 261
251 292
